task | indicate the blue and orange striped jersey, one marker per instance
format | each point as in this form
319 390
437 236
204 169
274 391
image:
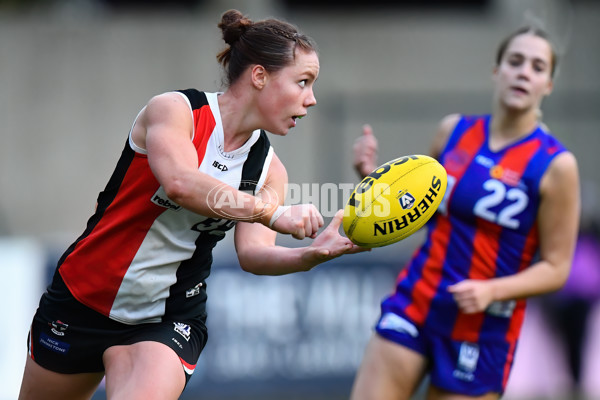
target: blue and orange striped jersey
485 228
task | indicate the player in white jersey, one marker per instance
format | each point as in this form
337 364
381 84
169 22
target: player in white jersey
127 301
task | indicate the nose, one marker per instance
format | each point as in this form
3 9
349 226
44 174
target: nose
310 100
525 71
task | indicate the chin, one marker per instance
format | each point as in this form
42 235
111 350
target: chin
281 132
516 105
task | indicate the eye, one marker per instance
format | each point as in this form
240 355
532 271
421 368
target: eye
302 83
539 67
515 61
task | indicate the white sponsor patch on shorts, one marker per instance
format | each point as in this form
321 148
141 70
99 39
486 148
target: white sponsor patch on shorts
396 323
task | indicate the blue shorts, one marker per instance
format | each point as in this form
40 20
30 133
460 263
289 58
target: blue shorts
471 369
67 337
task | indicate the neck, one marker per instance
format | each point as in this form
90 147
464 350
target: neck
507 127
510 124
236 117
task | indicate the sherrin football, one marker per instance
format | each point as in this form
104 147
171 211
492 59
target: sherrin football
394 201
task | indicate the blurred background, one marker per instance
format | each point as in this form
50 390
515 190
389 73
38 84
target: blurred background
74 74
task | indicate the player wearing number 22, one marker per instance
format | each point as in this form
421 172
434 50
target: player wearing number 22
512 191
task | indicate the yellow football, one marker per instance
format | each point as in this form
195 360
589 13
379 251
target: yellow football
394 201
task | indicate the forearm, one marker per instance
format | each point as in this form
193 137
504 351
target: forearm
276 260
540 278
210 197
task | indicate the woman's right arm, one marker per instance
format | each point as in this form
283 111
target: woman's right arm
165 129
444 130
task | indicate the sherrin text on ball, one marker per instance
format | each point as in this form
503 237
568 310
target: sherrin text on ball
394 201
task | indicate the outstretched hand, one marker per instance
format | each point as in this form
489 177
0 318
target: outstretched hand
365 152
330 244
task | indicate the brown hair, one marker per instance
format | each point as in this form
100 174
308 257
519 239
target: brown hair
533 31
271 43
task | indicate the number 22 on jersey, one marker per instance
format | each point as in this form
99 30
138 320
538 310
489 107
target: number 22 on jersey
497 193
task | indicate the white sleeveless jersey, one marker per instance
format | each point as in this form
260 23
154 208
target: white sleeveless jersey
143 257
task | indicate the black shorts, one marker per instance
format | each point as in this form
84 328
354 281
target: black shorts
68 337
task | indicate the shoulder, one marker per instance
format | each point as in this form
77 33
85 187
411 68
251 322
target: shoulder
562 174
167 101
168 109
444 130
563 163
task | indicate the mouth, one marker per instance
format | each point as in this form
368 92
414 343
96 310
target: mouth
295 118
519 90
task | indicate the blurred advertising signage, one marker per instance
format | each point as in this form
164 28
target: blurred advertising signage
292 327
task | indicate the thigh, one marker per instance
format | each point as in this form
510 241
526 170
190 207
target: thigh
155 359
388 371
143 370
435 393
40 383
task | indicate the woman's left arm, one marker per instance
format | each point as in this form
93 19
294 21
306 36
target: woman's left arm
558 225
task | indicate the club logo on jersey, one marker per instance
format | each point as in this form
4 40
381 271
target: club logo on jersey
455 160
195 291
165 202
508 176
183 329
220 166
58 327
406 200
467 361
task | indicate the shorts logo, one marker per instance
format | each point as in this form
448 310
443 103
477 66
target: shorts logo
183 329
467 361
58 327
502 308
53 344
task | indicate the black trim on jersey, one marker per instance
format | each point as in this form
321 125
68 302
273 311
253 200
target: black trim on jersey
256 158
196 270
105 197
197 98
190 273
253 167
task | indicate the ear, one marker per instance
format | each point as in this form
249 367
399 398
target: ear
259 76
549 88
494 73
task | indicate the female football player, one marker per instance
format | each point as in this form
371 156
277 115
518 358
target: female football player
513 191
127 301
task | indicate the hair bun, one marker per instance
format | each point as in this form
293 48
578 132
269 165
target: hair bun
233 25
